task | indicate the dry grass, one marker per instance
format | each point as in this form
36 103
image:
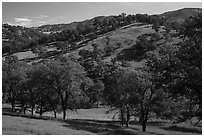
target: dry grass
125 36
87 121
25 126
94 113
21 126
25 55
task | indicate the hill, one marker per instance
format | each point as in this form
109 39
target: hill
95 45
179 15
170 16
120 40
17 38
71 26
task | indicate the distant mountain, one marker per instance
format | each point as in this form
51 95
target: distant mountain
180 15
71 26
17 38
170 16
56 27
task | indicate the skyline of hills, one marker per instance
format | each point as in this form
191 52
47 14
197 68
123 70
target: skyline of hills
170 16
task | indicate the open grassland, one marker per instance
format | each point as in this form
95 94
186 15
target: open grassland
125 37
94 113
27 126
88 121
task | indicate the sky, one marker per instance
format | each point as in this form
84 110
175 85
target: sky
30 14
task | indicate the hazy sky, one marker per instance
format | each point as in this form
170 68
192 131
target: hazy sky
39 13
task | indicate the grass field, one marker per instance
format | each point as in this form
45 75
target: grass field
126 37
25 126
88 121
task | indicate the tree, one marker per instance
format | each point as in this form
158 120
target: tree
40 84
66 76
54 101
23 92
114 95
40 92
155 26
177 69
133 93
12 76
118 92
109 49
95 92
92 61
146 99
190 56
143 44
38 50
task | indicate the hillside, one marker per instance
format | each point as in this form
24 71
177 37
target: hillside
179 15
71 26
170 16
88 122
127 74
25 126
122 39
17 38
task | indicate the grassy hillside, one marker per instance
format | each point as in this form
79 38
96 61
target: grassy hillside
86 122
71 26
25 126
170 16
129 45
122 39
125 37
180 15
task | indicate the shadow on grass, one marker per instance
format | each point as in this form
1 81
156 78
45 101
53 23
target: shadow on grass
9 110
103 127
182 129
131 54
29 116
150 123
127 132
6 110
94 126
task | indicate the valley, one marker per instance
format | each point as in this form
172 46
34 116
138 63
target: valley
134 74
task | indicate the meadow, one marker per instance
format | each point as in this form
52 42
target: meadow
87 122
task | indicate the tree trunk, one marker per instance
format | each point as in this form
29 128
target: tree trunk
41 111
122 117
128 116
144 125
53 108
55 113
24 110
12 106
32 109
64 114
63 103
63 108
140 119
144 120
